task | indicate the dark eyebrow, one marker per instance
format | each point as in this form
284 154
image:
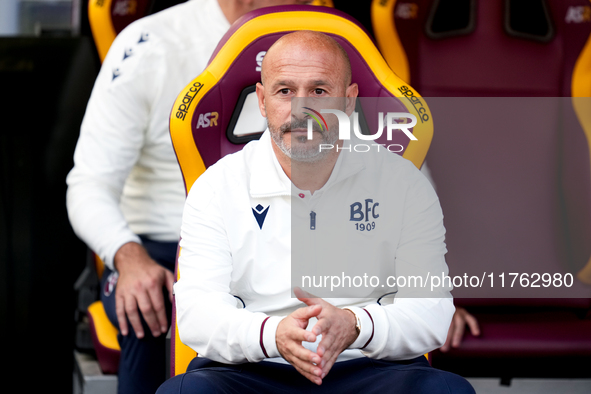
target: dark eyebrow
318 82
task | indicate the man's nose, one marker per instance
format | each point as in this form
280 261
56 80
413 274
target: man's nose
301 93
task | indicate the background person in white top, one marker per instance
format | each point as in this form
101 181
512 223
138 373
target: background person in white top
230 250
125 192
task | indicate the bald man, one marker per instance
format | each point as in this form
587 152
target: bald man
234 302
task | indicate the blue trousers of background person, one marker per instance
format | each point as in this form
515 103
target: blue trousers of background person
142 365
362 375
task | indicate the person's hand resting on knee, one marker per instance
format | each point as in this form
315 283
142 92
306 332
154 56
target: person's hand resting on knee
140 286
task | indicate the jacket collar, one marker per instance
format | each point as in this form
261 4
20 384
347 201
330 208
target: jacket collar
267 178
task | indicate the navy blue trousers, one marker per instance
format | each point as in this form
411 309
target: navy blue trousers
142 365
362 375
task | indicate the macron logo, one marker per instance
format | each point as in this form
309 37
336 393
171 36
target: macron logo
260 213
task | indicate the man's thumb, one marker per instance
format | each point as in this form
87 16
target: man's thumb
308 312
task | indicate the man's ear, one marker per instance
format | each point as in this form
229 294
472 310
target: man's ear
261 98
351 94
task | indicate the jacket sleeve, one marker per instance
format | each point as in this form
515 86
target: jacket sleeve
418 320
111 138
208 318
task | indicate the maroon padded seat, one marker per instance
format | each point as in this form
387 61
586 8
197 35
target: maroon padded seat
533 334
465 48
510 199
227 97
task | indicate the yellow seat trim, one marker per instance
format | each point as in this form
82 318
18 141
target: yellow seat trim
105 330
188 155
103 32
581 93
384 27
323 3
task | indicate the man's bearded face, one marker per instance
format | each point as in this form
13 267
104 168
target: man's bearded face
297 147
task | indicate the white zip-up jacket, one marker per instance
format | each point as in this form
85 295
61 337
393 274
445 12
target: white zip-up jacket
236 257
126 179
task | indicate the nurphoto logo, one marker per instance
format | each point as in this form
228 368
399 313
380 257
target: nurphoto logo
392 121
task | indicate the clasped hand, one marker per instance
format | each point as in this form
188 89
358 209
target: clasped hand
336 326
